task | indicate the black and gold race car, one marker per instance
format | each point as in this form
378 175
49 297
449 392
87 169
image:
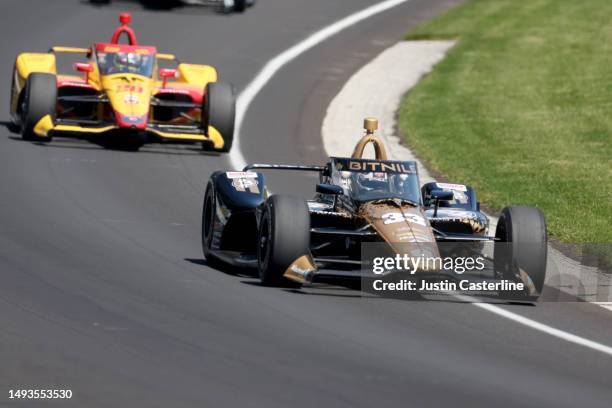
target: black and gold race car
360 202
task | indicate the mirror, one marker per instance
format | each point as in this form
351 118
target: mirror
167 73
442 195
329 189
83 67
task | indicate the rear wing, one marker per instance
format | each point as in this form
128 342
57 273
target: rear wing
285 167
166 57
72 50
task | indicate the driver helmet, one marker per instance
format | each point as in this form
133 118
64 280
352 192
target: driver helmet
123 61
373 181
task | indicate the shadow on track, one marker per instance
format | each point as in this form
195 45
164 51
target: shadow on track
348 290
223 268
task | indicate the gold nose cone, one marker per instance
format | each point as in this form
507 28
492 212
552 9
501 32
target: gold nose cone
370 125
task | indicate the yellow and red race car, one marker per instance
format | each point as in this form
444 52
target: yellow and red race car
121 91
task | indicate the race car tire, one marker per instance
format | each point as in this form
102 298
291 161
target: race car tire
39 101
220 112
13 125
521 244
283 237
208 219
240 5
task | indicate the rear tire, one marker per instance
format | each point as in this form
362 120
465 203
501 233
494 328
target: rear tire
219 111
284 236
39 100
524 229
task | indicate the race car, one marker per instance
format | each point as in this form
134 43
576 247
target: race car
227 6
361 201
121 91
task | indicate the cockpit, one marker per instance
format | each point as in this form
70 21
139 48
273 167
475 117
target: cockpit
125 62
370 180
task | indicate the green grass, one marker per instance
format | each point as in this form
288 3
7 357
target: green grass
521 109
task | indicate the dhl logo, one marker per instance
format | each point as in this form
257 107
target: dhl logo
129 88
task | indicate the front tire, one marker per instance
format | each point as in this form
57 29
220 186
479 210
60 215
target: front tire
524 231
284 236
240 5
219 111
39 100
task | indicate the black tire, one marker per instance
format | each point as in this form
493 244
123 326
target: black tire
524 229
13 124
208 220
240 5
284 236
39 101
219 111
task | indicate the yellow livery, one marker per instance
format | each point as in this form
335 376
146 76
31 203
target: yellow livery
120 91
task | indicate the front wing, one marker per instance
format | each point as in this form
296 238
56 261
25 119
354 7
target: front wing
185 133
179 133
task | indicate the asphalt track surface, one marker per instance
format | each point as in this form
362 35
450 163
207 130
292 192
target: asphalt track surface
103 289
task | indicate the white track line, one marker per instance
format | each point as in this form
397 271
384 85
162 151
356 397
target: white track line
563 335
247 96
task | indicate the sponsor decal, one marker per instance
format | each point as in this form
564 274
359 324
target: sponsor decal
319 206
129 88
449 186
301 271
131 99
395 217
453 214
240 174
376 166
133 119
245 183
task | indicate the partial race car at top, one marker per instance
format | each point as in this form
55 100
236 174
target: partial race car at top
122 92
359 201
227 6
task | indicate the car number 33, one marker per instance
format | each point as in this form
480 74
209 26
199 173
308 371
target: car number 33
394 217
